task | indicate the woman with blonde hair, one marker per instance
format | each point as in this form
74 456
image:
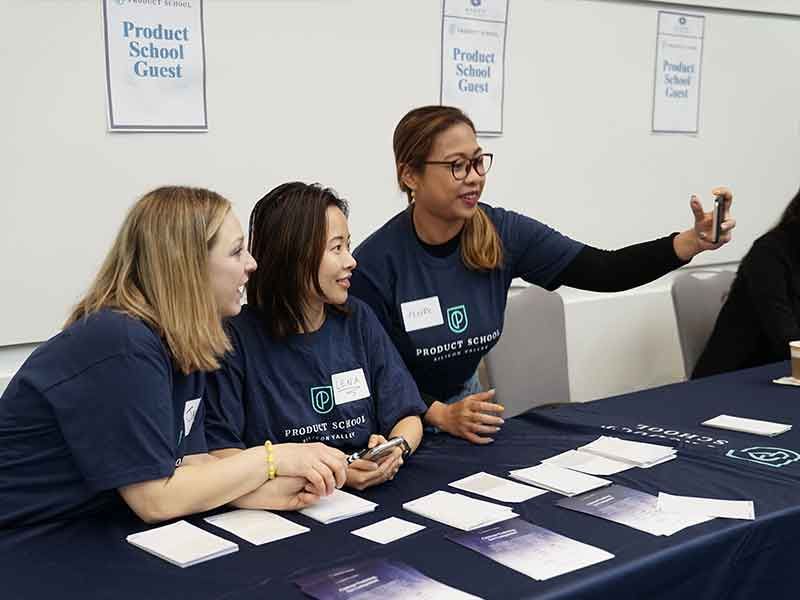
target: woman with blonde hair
438 273
110 410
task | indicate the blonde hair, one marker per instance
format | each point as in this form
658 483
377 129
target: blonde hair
481 246
157 271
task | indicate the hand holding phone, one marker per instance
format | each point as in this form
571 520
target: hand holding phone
376 452
717 217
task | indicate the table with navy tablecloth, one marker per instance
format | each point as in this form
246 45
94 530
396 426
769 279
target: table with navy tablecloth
726 559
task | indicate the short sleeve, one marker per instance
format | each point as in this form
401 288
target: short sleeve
225 413
395 393
537 252
196 441
117 420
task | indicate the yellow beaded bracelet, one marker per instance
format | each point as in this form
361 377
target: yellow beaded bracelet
272 470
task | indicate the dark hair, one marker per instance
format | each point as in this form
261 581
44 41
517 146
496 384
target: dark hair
791 214
481 247
288 229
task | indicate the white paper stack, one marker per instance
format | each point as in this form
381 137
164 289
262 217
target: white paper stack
747 425
459 511
497 488
337 507
586 462
708 507
639 454
558 480
256 526
182 544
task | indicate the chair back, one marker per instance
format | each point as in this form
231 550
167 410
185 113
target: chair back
528 365
697 297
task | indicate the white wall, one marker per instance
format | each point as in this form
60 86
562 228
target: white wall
312 89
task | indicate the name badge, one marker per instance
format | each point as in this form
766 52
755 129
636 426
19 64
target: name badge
349 386
422 313
189 413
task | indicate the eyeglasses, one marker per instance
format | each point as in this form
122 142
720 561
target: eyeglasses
461 168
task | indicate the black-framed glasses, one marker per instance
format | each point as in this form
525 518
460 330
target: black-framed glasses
460 168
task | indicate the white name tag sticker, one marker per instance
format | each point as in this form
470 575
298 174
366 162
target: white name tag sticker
189 413
349 386
422 313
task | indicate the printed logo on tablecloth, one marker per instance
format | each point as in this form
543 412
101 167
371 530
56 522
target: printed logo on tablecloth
765 455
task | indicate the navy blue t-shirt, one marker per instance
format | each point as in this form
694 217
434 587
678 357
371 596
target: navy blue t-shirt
336 385
442 316
97 407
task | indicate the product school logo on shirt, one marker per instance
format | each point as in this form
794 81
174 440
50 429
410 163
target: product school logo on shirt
322 399
457 318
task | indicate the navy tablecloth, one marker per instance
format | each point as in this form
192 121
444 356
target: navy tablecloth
720 559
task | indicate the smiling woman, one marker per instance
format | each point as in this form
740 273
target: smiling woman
437 274
309 363
112 407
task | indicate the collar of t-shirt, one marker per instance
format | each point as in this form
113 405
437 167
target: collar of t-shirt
438 250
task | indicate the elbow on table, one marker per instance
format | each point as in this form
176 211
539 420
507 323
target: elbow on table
149 502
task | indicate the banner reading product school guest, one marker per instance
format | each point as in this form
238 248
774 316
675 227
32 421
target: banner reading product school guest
155 65
679 57
473 59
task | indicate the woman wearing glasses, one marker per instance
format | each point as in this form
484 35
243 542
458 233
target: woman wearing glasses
438 273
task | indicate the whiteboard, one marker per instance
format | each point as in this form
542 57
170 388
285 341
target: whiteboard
312 90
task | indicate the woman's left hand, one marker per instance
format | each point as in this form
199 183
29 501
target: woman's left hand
698 239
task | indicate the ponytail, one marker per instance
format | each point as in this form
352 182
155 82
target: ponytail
481 247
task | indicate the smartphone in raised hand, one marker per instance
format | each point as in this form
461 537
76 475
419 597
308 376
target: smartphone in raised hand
717 217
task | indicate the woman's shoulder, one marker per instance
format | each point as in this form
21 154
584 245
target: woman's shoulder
384 240
109 331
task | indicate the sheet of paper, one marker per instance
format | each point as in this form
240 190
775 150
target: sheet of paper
531 550
556 479
256 526
679 58
459 511
473 60
585 462
709 507
637 453
743 425
632 508
497 488
338 506
182 543
786 381
376 579
388 530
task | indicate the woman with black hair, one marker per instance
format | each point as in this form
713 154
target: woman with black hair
310 364
762 313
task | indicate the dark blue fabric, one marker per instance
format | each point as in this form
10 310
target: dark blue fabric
393 268
264 389
97 407
722 559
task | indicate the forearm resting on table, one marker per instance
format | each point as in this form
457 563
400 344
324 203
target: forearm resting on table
200 485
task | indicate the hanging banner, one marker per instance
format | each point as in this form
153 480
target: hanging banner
679 56
155 65
473 59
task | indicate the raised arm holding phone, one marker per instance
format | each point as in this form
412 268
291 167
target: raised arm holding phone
438 273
